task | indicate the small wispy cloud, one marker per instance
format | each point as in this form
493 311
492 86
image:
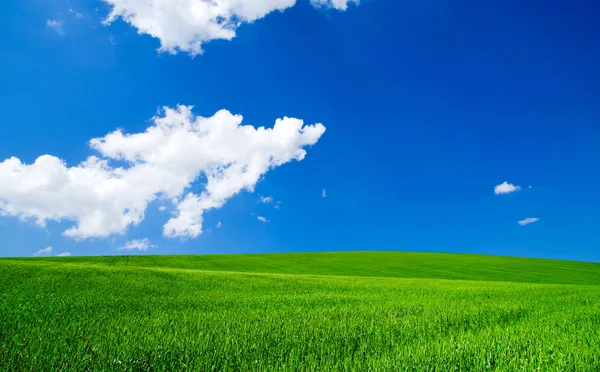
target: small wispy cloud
64 254
528 220
44 251
139 244
269 200
219 224
323 193
506 188
262 219
162 208
77 14
266 199
56 25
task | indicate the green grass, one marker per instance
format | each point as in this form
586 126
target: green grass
330 311
379 264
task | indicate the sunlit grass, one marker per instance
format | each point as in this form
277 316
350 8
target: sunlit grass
79 315
380 264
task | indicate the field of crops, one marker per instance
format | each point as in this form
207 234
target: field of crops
384 311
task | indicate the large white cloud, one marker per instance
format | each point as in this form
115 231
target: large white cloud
162 162
184 25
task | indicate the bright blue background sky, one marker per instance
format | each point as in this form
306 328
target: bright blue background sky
428 106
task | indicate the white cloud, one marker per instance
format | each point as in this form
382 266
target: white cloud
162 208
185 25
44 251
103 198
77 14
64 254
323 193
139 244
506 188
56 25
266 199
336 4
270 200
528 220
262 219
219 224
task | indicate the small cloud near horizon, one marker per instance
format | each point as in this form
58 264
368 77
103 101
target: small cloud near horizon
64 254
137 244
44 251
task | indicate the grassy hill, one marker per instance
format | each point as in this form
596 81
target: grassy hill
375 264
359 311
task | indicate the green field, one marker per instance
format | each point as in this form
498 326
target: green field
364 311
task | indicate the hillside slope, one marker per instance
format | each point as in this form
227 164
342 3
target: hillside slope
374 264
83 317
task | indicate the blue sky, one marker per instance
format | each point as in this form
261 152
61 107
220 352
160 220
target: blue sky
427 106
